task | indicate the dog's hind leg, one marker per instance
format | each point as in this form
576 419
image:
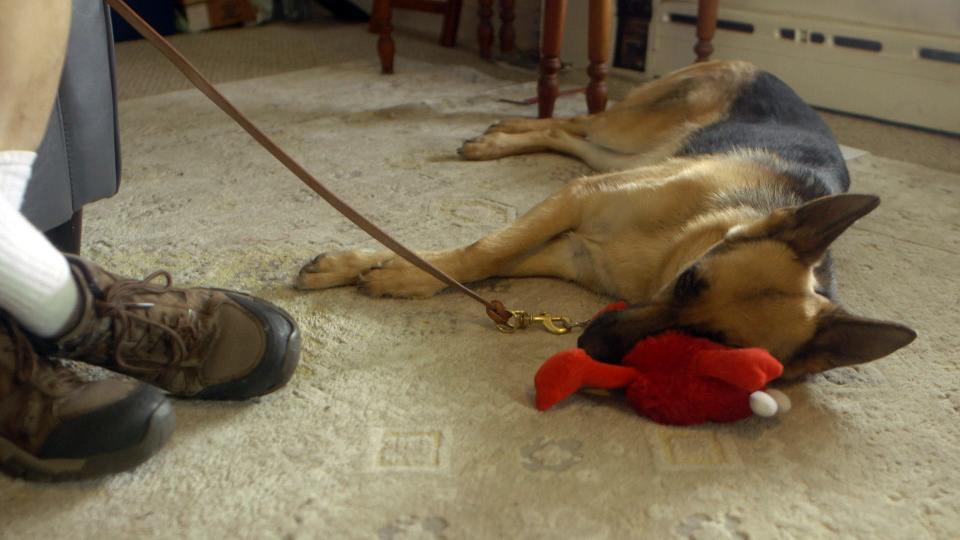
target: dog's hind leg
576 125
648 126
500 144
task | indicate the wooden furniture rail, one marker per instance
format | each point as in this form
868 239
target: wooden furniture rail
554 16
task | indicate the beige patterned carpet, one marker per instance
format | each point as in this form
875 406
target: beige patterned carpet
414 419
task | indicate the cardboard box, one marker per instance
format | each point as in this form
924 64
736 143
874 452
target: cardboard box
206 14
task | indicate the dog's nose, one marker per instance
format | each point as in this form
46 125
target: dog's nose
611 335
602 341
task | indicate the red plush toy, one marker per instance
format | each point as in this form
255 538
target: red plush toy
672 378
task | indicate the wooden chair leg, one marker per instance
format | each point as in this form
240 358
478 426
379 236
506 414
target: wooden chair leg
601 16
706 26
381 21
485 29
554 14
508 35
451 23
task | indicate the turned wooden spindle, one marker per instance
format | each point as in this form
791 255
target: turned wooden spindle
485 29
601 16
382 12
554 14
380 23
706 26
508 35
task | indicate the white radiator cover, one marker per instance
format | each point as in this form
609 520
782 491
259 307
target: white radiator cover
894 83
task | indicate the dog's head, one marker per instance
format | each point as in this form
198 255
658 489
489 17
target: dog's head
758 288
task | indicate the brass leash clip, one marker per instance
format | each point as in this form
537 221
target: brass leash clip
555 324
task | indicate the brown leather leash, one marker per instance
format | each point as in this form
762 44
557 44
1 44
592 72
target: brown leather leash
506 320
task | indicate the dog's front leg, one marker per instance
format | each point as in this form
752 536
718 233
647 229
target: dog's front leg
380 273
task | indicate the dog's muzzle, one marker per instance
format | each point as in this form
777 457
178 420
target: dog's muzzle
610 336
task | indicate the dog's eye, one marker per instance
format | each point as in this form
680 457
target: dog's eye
689 284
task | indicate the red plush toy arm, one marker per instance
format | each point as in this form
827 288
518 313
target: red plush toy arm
567 371
747 369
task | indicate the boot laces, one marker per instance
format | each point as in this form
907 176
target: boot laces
27 364
179 331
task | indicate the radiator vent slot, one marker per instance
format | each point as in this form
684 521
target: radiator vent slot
858 43
722 24
940 55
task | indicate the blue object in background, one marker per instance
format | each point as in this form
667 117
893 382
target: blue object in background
161 14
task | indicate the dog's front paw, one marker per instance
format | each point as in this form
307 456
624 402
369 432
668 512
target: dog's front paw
337 269
399 279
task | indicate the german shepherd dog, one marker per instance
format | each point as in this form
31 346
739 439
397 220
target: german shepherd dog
721 192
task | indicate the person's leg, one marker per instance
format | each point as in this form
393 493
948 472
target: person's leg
53 425
36 287
34 45
194 343
16 166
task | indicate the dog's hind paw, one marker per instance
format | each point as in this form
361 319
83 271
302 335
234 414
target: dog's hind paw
514 125
469 149
483 147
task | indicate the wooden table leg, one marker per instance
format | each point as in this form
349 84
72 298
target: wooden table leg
508 35
706 26
485 29
601 16
385 47
554 14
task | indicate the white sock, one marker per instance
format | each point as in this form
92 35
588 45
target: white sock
36 285
15 169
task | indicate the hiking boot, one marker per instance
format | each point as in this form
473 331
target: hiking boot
199 343
54 426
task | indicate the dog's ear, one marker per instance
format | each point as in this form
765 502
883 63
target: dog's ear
843 339
810 228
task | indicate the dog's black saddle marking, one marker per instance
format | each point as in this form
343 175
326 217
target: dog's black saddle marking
769 115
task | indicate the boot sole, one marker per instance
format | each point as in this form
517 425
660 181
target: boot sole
18 463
